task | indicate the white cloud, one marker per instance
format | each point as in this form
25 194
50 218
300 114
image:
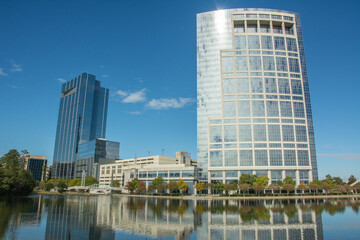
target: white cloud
134 97
61 80
2 73
104 76
348 156
135 113
15 67
13 86
166 103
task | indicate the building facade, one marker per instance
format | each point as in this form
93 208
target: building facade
37 165
82 118
253 113
146 169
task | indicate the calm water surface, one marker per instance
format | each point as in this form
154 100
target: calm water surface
122 217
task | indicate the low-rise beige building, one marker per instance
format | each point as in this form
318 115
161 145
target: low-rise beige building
148 168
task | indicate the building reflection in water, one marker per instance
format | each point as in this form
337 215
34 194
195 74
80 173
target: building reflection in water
104 217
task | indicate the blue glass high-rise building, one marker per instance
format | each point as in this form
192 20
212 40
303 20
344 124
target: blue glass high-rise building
254 112
82 118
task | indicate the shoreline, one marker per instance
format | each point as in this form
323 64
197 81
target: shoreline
206 197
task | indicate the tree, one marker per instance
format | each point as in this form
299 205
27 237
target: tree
209 186
135 183
229 187
116 183
314 186
351 179
273 186
326 187
260 183
129 187
61 186
244 179
42 185
258 188
75 182
302 187
289 180
172 186
244 188
288 188
151 188
338 181
219 186
48 186
182 186
89 180
160 188
280 183
200 186
158 181
141 187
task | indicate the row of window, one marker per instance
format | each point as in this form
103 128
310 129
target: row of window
257 133
229 158
255 120
258 63
166 174
257 52
263 27
259 74
256 108
265 43
261 85
262 16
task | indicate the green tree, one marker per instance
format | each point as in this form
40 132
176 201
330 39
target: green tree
129 187
326 186
258 188
219 186
288 188
209 186
244 188
315 186
244 179
230 187
182 186
338 181
135 183
280 183
302 187
48 186
200 186
171 186
75 182
61 186
351 179
89 180
158 181
289 180
160 188
116 183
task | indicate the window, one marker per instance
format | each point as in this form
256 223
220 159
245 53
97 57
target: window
299 109
303 157
239 27
281 64
230 133
285 108
270 85
228 86
216 158
294 65
188 173
152 175
289 157
251 15
304 176
216 174
264 16
242 85
259 133
265 28
240 42
255 62
279 43
291 173
142 174
275 158
266 42
291 44
227 64
231 158
277 29
289 30
276 175
163 174
258 108
215 134
269 63
244 108
245 133
253 42
233 174
257 85
251 28
246 158
296 87
284 86
241 63
229 109
174 174
274 133
288 133
261 158
272 108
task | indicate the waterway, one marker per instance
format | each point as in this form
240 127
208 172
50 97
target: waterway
123 217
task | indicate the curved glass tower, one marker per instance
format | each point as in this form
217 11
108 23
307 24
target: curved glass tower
253 112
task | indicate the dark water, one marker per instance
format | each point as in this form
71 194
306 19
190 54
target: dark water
121 217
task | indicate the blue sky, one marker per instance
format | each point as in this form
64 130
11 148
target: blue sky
145 53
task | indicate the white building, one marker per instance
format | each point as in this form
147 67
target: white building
146 169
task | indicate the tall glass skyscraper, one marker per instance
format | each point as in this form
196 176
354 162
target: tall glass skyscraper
254 112
82 118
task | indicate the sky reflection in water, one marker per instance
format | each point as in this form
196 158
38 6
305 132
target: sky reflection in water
121 217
